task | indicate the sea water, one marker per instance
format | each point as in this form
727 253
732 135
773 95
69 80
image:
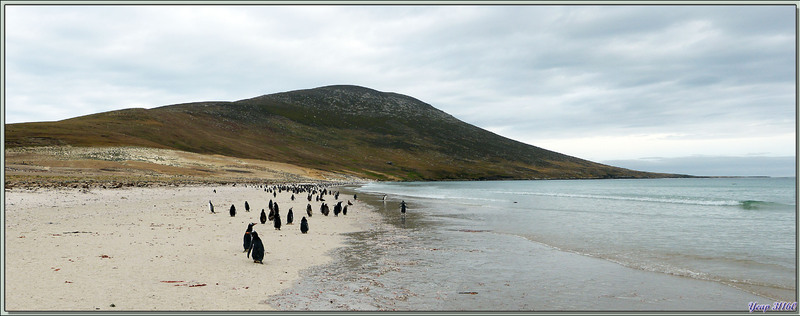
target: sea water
503 245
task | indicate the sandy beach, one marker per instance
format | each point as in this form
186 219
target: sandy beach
159 248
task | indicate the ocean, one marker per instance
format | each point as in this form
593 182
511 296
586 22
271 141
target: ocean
713 244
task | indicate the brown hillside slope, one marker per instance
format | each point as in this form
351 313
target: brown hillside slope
345 129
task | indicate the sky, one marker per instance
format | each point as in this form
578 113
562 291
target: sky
695 89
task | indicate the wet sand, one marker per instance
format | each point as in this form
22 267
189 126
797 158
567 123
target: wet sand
431 263
158 249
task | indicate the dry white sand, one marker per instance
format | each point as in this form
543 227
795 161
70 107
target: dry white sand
158 248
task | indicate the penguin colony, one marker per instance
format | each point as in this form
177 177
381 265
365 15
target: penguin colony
252 242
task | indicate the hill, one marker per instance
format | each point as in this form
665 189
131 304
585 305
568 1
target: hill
345 129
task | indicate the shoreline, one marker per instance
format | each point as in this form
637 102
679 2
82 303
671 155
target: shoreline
160 248
424 268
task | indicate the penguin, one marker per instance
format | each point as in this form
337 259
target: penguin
308 209
337 209
355 196
336 197
309 197
277 221
246 207
247 238
289 217
263 217
215 190
257 248
274 194
403 207
210 205
344 210
349 203
233 210
292 197
272 215
304 225
270 206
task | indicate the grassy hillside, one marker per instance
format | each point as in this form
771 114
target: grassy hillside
347 129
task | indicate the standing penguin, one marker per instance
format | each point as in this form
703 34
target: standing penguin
277 221
292 197
233 210
274 211
270 206
344 210
289 217
247 238
308 209
257 248
337 209
403 207
263 217
210 205
304 225
246 207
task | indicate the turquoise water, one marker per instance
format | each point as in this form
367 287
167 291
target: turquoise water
656 244
739 231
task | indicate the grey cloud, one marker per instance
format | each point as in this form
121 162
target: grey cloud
546 70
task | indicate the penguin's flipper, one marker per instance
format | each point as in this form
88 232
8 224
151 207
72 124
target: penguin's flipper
248 250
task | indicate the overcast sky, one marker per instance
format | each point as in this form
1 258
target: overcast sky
624 84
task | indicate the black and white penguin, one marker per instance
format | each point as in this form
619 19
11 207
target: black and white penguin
308 209
211 206
337 209
355 197
263 216
289 217
403 207
233 210
247 238
277 221
344 210
246 207
292 197
270 206
349 203
304 225
257 248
